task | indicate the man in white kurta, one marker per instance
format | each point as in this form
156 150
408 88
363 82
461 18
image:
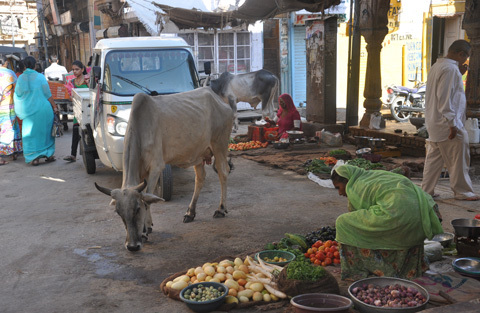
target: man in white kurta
445 115
55 70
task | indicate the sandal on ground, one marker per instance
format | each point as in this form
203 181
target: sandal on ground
3 162
35 162
70 158
50 159
472 198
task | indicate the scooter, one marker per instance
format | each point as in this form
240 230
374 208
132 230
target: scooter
405 102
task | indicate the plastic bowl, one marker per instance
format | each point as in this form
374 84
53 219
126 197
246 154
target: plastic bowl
273 253
382 282
320 302
205 306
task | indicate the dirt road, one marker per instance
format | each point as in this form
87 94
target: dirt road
62 244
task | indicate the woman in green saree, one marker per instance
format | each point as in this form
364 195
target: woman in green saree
389 219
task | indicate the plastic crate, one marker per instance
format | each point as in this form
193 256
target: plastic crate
59 91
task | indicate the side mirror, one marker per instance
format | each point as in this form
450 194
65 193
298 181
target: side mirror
207 67
95 76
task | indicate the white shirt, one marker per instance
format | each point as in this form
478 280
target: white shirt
445 101
55 71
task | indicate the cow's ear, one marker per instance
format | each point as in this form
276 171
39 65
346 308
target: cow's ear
151 198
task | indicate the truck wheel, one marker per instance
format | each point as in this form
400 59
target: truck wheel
88 159
398 115
165 183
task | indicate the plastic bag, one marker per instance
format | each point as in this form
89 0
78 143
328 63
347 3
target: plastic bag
375 120
433 251
330 139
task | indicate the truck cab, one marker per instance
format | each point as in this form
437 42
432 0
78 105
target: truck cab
121 68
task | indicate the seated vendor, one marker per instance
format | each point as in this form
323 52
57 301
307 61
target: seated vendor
389 219
288 117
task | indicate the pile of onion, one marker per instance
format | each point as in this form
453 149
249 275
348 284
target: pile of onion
393 296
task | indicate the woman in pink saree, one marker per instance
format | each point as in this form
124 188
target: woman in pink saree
287 114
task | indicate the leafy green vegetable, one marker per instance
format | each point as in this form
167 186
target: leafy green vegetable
337 152
317 166
302 269
365 164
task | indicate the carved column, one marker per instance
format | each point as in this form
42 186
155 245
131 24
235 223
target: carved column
373 27
471 24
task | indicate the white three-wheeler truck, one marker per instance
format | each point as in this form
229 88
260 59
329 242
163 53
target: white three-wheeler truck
121 68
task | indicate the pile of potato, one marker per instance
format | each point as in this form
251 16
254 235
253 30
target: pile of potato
246 279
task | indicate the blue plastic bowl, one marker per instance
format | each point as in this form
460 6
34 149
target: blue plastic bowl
205 306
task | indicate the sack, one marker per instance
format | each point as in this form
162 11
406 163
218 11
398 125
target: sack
57 128
330 139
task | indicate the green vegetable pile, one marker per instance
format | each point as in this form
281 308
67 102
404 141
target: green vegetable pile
365 164
302 269
317 166
337 152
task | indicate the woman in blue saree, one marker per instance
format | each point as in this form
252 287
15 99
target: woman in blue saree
35 106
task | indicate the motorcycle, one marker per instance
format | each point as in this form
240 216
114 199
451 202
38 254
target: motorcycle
406 102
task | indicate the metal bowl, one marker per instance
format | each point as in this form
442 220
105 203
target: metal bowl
445 239
295 134
377 143
466 227
362 141
361 152
321 302
382 282
467 266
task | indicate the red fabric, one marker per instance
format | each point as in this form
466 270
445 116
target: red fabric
285 120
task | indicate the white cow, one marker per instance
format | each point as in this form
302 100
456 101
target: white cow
253 87
181 129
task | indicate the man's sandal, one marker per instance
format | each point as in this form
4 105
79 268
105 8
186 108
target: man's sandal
70 158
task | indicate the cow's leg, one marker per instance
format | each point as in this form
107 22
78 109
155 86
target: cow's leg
199 180
151 185
222 167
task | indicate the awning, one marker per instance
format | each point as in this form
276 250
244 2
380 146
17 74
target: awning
146 11
250 12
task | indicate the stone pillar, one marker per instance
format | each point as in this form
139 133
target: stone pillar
471 24
373 27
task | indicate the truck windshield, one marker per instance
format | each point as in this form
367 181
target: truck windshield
162 70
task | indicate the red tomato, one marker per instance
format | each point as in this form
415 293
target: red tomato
336 261
336 254
327 250
328 261
329 255
317 262
307 255
328 244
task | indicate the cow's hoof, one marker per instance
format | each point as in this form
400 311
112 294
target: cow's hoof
188 218
219 214
149 230
145 237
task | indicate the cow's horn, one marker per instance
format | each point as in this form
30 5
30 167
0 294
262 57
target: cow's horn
104 190
141 186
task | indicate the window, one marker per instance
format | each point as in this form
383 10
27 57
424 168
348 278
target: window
226 50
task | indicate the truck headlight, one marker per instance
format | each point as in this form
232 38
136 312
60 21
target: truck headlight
116 126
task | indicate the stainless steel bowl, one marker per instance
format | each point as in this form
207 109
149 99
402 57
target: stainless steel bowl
377 143
467 266
466 227
361 152
445 239
382 282
362 141
295 134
